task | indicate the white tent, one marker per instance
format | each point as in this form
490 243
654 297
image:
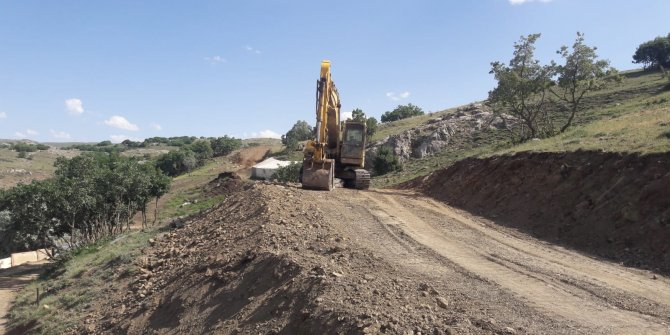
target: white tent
266 168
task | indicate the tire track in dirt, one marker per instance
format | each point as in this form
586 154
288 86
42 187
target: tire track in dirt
546 293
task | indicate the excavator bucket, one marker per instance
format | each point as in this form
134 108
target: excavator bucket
318 176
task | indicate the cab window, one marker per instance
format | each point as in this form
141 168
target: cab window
354 135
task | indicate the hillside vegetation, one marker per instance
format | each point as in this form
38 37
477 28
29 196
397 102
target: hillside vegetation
632 116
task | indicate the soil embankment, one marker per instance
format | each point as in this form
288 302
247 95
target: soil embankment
275 259
610 205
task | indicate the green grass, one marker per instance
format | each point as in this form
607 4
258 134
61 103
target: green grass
68 289
195 203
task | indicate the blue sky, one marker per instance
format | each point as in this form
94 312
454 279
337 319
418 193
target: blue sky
94 70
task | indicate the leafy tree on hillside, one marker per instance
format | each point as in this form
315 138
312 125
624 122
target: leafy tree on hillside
522 88
300 131
402 112
223 146
202 149
654 53
358 115
176 162
91 197
370 122
582 72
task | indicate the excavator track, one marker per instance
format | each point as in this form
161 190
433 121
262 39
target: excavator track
362 181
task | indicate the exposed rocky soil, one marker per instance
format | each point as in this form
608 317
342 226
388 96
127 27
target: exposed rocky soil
275 259
606 204
450 130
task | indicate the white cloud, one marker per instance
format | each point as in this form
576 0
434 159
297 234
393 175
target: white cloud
347 116
252 50
399 96
521 2
60 135
267 133
28 133
3 115
121 122
121 138
216 59
155 126
74 106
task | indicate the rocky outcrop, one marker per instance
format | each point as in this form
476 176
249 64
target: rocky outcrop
437 134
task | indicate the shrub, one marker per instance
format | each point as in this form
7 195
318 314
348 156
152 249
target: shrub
223 146
289 173
386 162
402 112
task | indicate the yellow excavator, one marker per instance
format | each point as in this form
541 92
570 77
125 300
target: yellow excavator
338 149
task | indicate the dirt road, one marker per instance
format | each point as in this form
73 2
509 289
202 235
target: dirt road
277 259
507 269
11 280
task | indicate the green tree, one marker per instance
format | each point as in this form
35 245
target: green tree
654 53
385 161
371 126
176 162
582 72
202 149
301 131
370 122
223 146
522 87
358 115
402 112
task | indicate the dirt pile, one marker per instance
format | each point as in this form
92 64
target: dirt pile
264 261
247 157
611 205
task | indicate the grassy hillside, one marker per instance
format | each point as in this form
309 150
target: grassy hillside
633 116
67 292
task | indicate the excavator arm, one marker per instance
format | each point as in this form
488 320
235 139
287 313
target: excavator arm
318 171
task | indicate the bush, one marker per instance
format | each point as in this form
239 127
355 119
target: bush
289 173
27 147
176 162
301 131
386 162
22 154
402 112
202 149
223 146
